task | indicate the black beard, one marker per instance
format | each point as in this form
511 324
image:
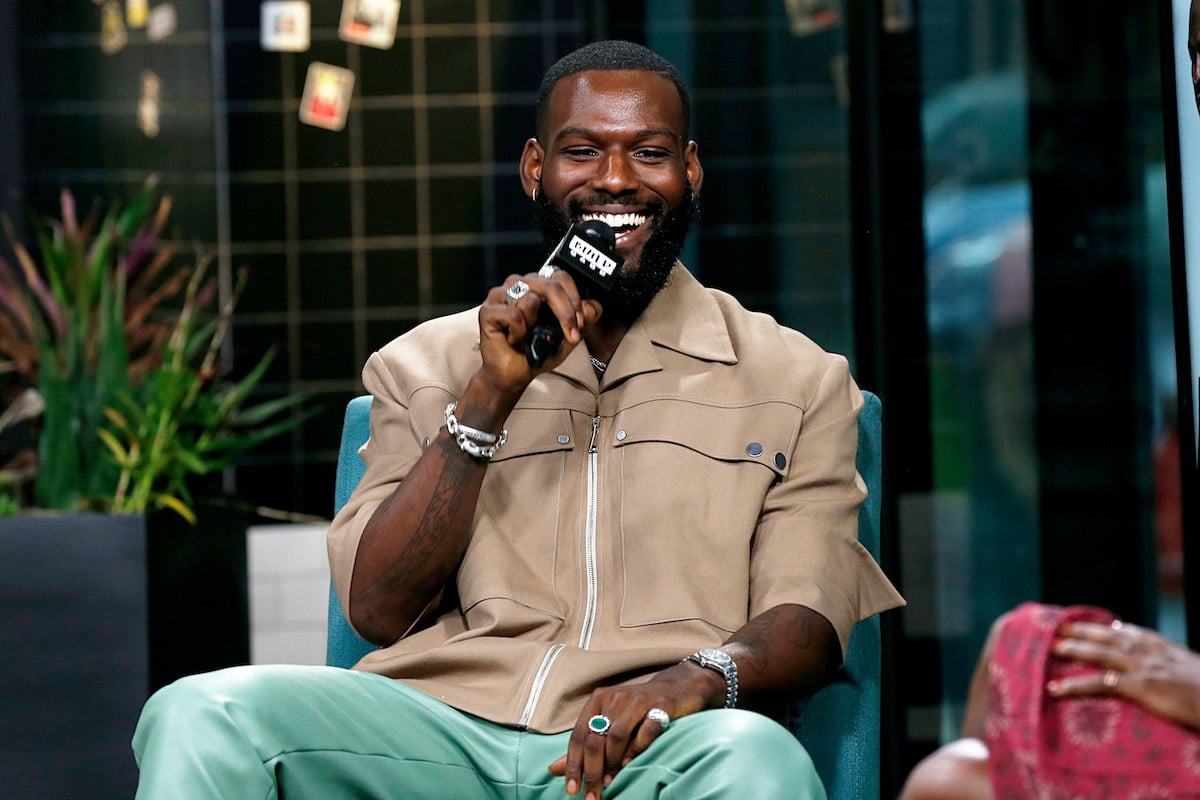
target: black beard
634 288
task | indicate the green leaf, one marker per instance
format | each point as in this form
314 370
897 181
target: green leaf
114 446
135 212
193 462
178 506
57 485
259 413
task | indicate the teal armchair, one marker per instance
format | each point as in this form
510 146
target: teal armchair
839 725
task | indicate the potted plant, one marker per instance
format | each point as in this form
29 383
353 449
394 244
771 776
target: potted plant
110 348
111 332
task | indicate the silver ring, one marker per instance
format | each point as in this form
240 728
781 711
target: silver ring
547 271
1111 678
599 724
516 292
661 717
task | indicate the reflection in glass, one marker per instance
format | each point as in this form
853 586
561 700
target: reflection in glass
985 467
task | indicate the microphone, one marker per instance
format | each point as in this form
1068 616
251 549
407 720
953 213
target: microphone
589 252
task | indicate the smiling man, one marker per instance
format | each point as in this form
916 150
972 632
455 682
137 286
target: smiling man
581 576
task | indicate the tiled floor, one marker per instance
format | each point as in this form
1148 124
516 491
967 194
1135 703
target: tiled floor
289 591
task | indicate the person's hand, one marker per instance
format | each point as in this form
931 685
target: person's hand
509 313
1136 663
594 759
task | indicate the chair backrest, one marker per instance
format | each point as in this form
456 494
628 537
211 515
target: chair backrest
344 647
839 725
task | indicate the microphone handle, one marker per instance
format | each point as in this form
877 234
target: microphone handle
543 339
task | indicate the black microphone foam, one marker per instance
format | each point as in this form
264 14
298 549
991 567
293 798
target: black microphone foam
589 252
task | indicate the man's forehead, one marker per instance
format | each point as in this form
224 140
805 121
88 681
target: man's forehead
643 94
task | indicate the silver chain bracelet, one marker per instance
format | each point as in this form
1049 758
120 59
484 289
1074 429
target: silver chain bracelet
472 441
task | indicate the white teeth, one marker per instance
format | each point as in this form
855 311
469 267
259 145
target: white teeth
618 221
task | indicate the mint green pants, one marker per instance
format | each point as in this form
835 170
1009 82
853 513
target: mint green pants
323 733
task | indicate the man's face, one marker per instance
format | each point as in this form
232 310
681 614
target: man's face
614 151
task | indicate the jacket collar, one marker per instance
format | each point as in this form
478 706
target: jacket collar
683 317
686 318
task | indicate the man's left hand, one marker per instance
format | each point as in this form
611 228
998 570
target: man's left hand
594 758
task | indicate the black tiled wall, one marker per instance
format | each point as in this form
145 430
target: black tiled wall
414 209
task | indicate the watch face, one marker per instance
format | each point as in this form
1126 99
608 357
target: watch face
719 656
719 660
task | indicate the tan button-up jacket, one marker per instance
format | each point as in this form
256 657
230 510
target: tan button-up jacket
626 524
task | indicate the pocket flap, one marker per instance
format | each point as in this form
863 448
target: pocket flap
536 430
761 433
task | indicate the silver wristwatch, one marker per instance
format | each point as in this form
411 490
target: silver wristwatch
720 661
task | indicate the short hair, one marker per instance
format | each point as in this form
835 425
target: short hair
609 55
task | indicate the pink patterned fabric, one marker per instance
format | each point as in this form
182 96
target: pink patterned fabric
1081 748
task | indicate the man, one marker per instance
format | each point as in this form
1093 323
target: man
564 565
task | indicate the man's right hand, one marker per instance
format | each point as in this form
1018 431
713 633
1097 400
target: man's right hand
504 324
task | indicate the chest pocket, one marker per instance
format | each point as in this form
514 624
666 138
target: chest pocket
511 561
693 478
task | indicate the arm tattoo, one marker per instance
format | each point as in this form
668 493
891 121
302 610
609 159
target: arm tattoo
443 504
784 627
411 568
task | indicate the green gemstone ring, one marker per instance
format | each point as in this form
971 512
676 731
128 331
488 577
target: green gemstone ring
599 724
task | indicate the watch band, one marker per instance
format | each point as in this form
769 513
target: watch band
722 662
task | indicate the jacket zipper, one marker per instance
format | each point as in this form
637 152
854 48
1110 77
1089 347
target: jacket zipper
539 681
589 619
589 544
